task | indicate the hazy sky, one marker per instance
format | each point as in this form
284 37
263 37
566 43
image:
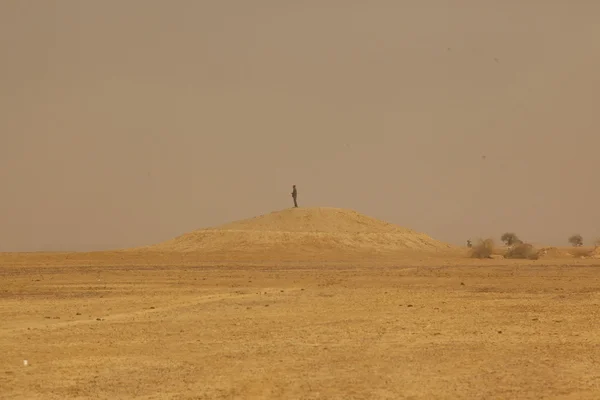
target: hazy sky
128 122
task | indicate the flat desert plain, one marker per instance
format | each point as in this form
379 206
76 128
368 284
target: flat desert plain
155 325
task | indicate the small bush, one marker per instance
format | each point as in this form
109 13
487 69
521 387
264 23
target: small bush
510 239
576 240
483 249
524 251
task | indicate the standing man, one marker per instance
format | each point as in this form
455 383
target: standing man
295 195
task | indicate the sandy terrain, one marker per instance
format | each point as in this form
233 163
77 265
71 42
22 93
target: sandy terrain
152 325
518 332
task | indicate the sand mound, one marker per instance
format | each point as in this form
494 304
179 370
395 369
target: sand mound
576 252
553 252
302 231
584 252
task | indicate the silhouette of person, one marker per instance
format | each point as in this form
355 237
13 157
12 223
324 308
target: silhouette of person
294 196
469 244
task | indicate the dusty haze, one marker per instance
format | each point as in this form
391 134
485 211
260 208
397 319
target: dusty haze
125 123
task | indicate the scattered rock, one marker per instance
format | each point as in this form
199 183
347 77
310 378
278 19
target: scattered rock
462 284
78 313
535 319
266 305
409 305
499 331
99 319
152 308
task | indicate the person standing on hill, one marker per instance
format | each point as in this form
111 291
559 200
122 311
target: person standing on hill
295 196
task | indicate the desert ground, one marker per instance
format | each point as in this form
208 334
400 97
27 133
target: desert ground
167 324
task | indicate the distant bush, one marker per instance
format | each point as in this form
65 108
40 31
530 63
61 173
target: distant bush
483 249
524 251
510 239
576 240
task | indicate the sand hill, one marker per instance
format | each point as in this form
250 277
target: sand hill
304 231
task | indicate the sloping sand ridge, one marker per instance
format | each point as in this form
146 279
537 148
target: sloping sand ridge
303 231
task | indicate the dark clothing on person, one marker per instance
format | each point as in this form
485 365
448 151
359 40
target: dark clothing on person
294 196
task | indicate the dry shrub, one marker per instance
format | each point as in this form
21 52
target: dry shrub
483 249
579 252
524 251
